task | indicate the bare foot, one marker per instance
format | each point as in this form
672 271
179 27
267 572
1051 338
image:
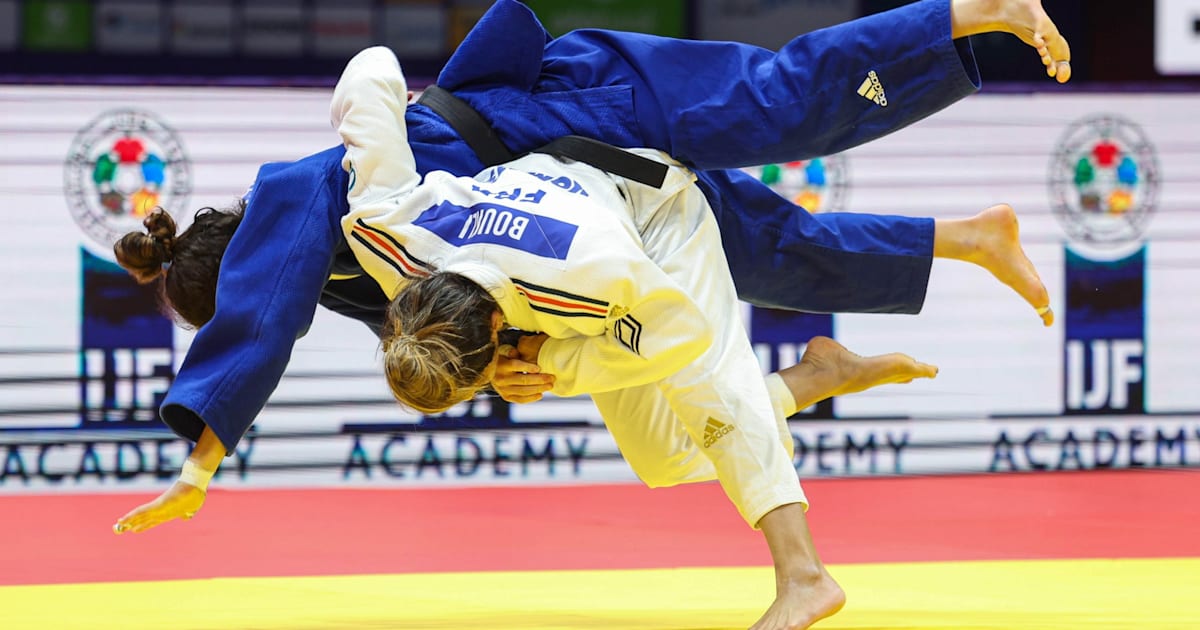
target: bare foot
805 593
800 604
181 500
1024 18
992 240
829 369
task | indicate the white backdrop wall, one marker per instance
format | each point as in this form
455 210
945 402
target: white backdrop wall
998 404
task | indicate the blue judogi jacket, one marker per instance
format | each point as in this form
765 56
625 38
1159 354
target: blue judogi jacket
713 105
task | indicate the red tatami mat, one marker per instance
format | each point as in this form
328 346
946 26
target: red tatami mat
64 538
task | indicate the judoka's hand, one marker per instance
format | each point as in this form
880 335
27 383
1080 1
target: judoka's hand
181 500
518 379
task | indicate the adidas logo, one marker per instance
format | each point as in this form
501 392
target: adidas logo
714 431
872 90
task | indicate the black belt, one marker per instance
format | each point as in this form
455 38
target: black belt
490 150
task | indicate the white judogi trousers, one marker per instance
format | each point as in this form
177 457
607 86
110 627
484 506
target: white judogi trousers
715 418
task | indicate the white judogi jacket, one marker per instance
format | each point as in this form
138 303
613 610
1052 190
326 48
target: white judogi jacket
629 282
569 243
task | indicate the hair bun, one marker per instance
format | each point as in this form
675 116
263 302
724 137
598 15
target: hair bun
144 254
161 228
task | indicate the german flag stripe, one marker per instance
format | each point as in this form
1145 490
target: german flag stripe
547 300
382 256
397 245
384 246
570 296
563 313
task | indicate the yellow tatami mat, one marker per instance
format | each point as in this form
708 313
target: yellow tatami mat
1129 594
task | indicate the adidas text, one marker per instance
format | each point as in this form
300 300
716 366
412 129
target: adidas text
714 431
872 90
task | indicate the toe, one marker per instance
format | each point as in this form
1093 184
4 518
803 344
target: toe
1064 71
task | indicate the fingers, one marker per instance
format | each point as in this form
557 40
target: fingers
519 381
523 388
1047 315
140 520
512 362
530 346
512 371
143 521
136 515
511 388
179 501
509 379
520 400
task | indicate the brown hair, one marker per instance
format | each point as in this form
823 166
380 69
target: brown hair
437 341
187 264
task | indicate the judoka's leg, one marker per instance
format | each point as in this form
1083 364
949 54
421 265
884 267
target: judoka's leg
651 439
805 593
992 240
724 105
783 257
724 405
828 369
662 453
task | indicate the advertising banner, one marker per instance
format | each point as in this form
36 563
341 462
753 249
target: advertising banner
343 29
770 23
276 29
1177 36
56 25
415 29
129 27
664 17
9 25
202 28
1105 187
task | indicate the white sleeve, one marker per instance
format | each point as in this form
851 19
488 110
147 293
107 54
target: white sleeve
661 332
368 112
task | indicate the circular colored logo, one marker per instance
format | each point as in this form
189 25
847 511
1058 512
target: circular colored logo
121 166
1104 180
817 185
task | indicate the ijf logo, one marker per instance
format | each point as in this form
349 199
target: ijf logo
1104 180
121 166
817 185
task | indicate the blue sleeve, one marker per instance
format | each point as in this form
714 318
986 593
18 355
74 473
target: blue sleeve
728 105
270 282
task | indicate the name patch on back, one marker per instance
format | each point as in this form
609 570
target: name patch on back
499 225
